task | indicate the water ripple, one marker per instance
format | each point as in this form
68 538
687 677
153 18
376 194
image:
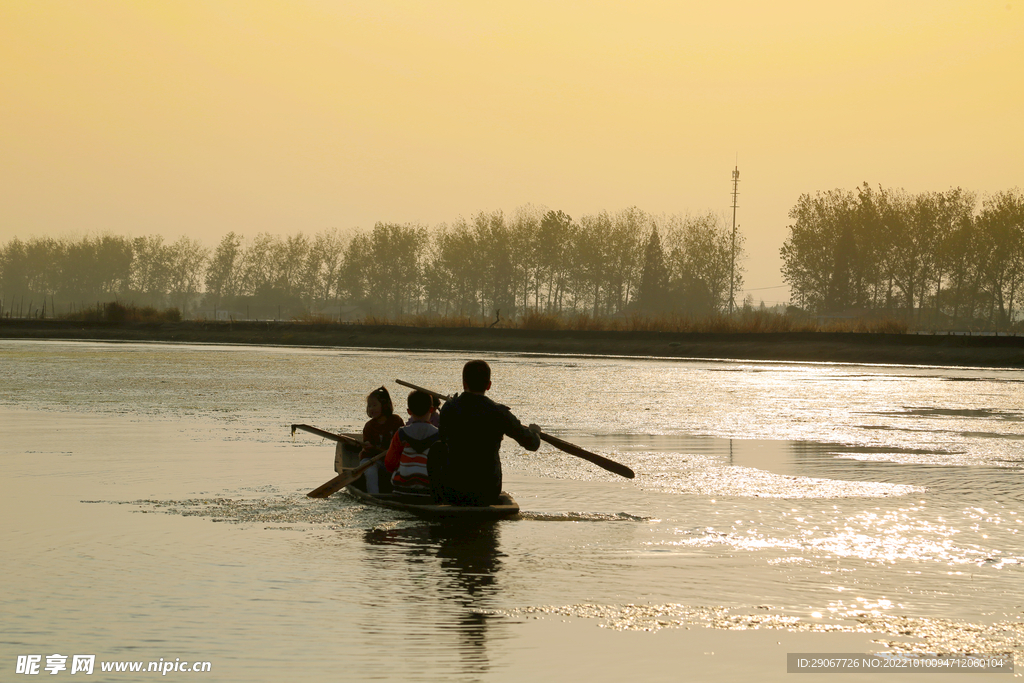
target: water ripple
907 634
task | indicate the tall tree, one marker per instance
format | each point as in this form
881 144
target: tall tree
151 270
454 276
554 241
290 256
222 276
1001 226
393 268
353 280
700 263
188 263
320 268
260 265
524 251
494 259
653 294
811 260
14 276
591 262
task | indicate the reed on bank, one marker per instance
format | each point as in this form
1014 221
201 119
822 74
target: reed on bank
744 321
116 312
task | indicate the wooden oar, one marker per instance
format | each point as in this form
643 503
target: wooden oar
345 478
599 460
439 397
565 446
328 435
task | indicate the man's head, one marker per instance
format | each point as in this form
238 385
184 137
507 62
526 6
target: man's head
420 404
476 376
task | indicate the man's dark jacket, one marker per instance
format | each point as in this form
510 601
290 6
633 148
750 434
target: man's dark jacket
472 427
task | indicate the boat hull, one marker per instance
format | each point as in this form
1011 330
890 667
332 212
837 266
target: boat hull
347 457
504 508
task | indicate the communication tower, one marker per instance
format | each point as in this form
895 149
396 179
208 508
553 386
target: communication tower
732 271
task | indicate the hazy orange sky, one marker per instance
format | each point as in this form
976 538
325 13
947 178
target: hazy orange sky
196 118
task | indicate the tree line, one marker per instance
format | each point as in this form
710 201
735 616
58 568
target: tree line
531 261
934 258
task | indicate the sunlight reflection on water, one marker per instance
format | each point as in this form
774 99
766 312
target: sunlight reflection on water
891 497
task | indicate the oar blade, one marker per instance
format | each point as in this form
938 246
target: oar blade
331 487
600 461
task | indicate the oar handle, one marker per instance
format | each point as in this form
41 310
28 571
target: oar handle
328 435
439 397
571 449
358 471
344 479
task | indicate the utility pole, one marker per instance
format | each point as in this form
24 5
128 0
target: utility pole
732 271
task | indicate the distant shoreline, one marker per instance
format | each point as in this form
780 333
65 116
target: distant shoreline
840 347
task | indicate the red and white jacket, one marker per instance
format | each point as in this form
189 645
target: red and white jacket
407 457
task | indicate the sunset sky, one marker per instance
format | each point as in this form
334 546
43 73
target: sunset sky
197 118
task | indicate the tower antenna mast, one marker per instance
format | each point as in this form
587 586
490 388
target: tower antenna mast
732 271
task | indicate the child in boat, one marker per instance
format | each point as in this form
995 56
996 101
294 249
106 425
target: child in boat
377 434
435 413
407 456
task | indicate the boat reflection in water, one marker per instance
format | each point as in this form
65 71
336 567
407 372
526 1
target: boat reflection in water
451 570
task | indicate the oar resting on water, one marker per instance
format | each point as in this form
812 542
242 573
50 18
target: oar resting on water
345 478
565 446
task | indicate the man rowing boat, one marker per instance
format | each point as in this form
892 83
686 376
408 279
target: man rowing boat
468 470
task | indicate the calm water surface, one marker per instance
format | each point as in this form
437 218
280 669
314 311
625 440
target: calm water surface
154 506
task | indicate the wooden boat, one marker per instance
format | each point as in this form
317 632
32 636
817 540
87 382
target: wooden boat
347 457
505 507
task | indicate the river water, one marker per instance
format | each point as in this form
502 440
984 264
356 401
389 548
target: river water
153 506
